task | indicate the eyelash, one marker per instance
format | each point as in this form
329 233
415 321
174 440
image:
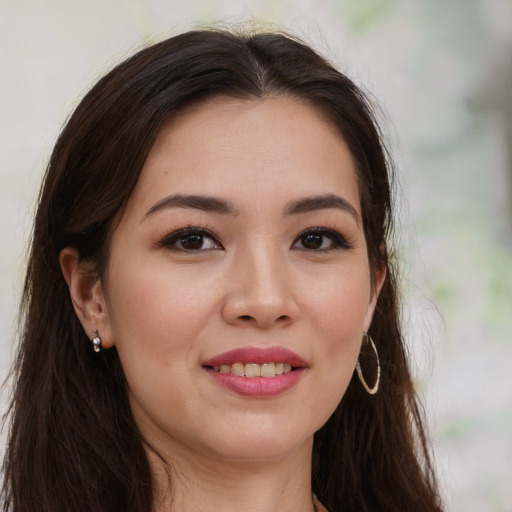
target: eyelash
171 240
338 241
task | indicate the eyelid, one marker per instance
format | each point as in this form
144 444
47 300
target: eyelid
340 242
167 241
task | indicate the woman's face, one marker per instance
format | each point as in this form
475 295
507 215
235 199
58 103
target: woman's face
241 251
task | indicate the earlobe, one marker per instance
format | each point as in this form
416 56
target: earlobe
377 284
86 292
380 277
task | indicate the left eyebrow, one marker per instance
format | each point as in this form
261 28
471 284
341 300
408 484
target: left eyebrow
322 202
194 202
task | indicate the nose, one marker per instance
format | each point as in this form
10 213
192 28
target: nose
261 291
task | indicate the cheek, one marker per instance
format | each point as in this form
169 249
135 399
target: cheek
339 310
158 313
340 330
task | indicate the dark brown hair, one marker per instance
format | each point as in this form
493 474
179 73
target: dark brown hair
73 443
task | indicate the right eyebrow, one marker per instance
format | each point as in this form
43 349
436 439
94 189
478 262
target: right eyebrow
322 202
194 202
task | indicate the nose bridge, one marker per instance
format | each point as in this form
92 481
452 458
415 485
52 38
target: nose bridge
265 270
262 293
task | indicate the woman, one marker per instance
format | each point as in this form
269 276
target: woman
209 296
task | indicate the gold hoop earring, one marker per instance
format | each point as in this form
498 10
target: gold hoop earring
96 342
368 342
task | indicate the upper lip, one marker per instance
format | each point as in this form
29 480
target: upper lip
258 355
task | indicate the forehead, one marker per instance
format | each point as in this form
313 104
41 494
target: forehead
248 149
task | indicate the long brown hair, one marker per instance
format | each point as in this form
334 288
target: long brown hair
73 443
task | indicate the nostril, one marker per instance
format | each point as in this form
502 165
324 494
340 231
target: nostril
249 318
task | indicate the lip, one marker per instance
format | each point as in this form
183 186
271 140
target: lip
257 387
257 355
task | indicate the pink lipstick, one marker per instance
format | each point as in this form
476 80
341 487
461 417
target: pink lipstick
256 372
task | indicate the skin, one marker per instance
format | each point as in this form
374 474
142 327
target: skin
259 282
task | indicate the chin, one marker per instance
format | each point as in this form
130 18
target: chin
269 442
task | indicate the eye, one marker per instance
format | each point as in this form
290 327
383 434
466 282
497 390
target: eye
320 239
190 240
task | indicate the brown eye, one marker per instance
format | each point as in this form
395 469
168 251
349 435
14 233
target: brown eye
313 241
320 239
190 240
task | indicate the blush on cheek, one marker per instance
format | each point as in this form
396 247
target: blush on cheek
341 318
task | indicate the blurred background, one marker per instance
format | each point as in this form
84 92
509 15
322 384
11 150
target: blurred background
441 71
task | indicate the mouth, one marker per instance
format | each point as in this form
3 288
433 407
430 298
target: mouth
257 372
265 370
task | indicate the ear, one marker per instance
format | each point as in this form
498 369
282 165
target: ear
87 296
378 281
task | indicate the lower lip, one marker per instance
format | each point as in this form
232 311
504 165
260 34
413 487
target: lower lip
258 387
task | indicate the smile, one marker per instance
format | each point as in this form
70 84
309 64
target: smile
268 372
254 369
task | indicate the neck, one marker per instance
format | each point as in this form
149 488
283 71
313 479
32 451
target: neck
193 483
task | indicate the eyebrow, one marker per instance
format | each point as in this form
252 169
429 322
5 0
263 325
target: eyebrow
194 202
322 202
220 206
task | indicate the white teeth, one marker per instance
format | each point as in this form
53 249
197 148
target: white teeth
268 370
238 369
254 370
